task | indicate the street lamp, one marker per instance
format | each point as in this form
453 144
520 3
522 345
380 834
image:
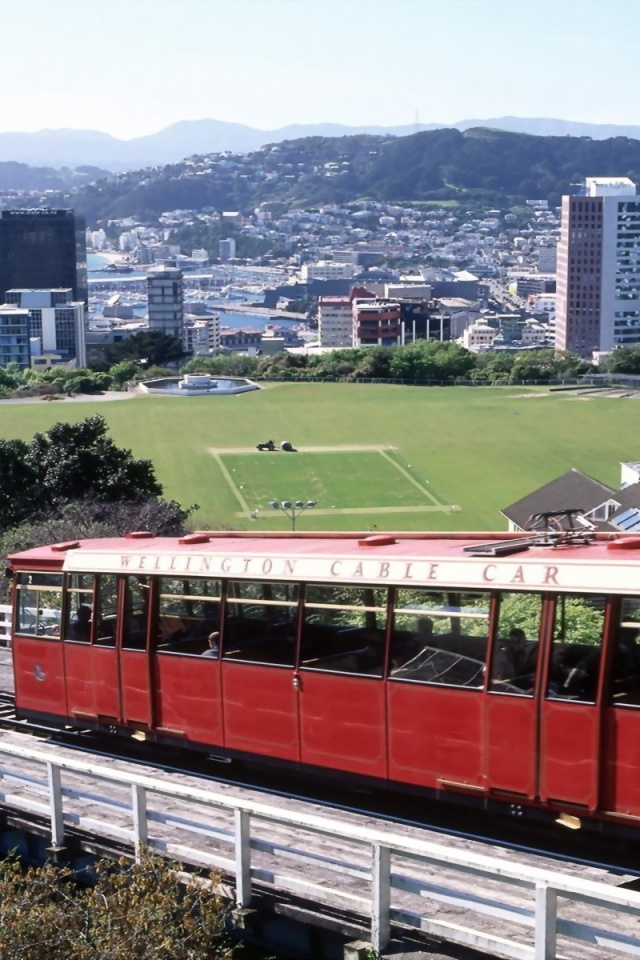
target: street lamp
292 508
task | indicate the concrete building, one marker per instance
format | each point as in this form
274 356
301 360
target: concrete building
14 336
548 258
43 249
240 340
227 249
166 298
327 270
407 291
201 333
335 321
56 322
376 323
479 336
421 321
598 301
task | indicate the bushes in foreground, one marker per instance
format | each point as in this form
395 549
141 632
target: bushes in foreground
139 911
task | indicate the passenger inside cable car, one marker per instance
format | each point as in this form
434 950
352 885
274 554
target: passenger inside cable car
582 680
80 626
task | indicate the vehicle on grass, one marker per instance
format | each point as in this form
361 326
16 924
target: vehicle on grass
492 671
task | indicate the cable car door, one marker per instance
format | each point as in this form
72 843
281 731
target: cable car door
570 715
260 699
511 708
341 692
133 656
91 658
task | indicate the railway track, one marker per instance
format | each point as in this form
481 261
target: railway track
556 848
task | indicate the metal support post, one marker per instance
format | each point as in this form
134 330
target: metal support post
139 809
243 858
55 805
380 898
546 917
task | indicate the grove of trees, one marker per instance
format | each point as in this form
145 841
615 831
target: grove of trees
74 482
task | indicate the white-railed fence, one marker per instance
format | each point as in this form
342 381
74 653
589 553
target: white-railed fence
386 879
5 625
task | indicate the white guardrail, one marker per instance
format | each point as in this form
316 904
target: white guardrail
379 875
5 625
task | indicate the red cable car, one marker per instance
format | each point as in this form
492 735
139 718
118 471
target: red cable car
477 667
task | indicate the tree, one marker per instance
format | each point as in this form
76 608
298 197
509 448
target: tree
69 462
18 482
91 518
122 372
624 360
223 364
431 360
152 347
72 460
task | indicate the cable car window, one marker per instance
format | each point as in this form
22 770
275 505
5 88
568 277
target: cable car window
136 613
344 629
515 654
577 645
78 620
440 637
106 609
625 664
261 622
189 616
38 605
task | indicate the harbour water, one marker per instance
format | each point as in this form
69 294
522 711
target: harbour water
96 264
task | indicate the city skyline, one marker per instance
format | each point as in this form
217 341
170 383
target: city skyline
132 69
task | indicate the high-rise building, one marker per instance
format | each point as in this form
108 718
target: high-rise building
227 249
56 322
166 298
43 249
598 273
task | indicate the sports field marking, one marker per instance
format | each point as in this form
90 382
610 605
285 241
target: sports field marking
344 511
432 505
345 448
416 483
232 486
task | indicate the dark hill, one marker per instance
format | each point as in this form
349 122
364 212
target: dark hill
490 166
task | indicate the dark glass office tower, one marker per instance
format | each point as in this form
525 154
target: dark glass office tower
43 249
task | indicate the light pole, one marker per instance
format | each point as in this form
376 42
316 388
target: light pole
292 508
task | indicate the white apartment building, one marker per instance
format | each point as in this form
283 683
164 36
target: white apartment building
201 334
56 323
598 293
327 270
479 336
335 321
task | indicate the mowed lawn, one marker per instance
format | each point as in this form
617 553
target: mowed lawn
333 479
475 449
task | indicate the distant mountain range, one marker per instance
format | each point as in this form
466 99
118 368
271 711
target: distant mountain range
74 148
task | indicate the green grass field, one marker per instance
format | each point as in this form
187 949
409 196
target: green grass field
372 456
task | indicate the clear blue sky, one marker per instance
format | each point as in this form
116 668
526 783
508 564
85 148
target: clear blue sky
132 67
